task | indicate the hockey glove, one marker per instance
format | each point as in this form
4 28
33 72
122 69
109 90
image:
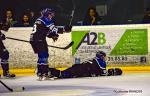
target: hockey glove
5 27
67 28
53 35
2 37
55 38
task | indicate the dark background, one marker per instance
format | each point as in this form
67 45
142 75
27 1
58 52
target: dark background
118 11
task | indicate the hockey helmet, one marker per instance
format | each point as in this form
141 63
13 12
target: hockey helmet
47 11
100 54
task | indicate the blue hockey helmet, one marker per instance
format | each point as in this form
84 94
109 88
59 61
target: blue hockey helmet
100 54
47 11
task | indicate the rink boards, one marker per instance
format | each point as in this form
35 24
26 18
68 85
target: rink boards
22 56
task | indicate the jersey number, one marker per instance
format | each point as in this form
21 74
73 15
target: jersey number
34 28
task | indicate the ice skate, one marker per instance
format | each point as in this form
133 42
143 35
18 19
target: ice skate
51 77
42 77
7 76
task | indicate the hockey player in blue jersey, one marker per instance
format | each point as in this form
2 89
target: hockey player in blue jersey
90 68
44 27
93 67
4 54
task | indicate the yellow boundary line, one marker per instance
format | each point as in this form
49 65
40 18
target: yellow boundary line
129 69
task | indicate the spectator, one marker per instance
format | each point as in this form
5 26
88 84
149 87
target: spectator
32 15
25 22
9 19
146 18
92 17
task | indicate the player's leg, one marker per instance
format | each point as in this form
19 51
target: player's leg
77 70
42 64
68 73
71 72
53 72
5 64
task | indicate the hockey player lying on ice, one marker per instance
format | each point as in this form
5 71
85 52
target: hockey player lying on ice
91 68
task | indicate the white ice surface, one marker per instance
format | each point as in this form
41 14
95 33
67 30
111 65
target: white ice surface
91 86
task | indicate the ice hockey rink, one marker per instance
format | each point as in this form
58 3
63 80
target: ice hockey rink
131 84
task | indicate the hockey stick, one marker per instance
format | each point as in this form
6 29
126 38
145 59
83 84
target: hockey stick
66 47
72 13
12 90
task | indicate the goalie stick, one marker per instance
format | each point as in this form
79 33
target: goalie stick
14 89
65 48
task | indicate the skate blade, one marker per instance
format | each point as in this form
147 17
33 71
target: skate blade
45 78
7 77
39 79
53 78
42 78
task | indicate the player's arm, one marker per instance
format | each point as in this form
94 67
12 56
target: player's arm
54 31
66 29
2 36
60 30
4 27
